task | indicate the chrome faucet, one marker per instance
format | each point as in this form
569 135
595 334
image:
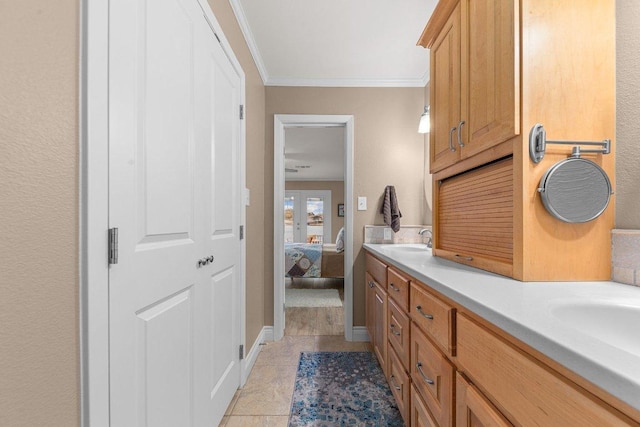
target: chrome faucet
429 236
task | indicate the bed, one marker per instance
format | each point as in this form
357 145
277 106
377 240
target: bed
313 260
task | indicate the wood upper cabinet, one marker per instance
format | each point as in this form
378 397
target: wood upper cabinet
474 81
497 69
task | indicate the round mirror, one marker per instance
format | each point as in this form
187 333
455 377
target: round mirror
575 190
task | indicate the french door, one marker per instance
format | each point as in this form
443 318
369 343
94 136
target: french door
307 216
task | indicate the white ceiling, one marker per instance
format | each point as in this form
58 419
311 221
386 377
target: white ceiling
322 149
337 42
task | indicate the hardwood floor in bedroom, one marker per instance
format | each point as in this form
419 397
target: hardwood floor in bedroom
315 320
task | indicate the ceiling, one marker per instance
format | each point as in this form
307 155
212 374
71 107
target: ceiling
366 43
316 153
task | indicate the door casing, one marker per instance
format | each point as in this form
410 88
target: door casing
281 121
94 208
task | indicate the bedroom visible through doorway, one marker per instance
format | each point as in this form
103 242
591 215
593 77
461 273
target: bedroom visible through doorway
314 262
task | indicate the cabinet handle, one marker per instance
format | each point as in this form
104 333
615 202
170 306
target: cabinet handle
393 330
392 379
425 315
371 284
460 143
393 287
451 147
466 258
424 377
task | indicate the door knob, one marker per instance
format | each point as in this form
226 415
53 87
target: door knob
205 261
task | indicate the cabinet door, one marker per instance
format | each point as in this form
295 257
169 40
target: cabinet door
490 79
380 327
473 410
445 94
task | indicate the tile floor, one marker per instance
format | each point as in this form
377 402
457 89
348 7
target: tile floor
265 399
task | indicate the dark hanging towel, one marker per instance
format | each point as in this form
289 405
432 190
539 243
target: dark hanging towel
390 210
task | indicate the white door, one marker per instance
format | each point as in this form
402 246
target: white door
173 194
307 216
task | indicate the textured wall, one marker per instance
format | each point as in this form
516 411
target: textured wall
627 114
388 151
337 196
39 345
255 143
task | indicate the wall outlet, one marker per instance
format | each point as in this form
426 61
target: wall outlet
387 234
362 203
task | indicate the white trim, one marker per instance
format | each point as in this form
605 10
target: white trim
241 17
346 82
252 355
360 333
94 207
280 122
425 78
268 333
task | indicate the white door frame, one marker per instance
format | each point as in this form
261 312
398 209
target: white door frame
94 207
282 121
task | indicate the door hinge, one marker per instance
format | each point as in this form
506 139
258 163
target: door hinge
241 112
241 352
241 232
113 245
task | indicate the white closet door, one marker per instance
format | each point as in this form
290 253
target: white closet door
174 325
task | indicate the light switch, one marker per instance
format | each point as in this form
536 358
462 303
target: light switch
362 203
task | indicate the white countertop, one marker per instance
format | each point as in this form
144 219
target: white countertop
533 313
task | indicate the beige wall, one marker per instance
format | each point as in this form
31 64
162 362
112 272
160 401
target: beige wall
627 114
39 345
388 151
255 142
337 196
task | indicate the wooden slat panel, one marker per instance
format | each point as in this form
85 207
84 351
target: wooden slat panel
475 212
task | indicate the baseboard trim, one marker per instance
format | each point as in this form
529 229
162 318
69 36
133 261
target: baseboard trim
360 334
266 334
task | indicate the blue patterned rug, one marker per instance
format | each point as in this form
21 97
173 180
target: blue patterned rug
342 389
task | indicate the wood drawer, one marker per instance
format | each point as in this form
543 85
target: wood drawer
474 221
398 288
434 316
398 332
522 388
399 383
433 376
377 269
420 416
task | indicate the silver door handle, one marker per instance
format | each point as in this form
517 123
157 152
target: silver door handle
451 147
425 315
205 261
460 143
424 377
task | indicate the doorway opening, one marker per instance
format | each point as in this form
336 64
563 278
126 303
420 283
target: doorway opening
313 225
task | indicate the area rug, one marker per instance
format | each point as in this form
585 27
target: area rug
312 298
342 389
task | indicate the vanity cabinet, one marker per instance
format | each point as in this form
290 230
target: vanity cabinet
474 75
461 370
497 69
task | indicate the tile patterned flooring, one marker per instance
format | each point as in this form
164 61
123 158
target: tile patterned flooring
265 399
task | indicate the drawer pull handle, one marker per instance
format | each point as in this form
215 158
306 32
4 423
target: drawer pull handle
466 258
424 377
393 330
425 315
371 284
460 143
394 287
392 379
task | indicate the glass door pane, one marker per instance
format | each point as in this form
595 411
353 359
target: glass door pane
315 219
291 217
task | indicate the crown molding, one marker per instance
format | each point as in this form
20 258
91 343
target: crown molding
346 82
238 11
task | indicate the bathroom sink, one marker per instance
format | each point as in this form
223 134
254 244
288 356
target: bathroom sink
405 248
614 323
